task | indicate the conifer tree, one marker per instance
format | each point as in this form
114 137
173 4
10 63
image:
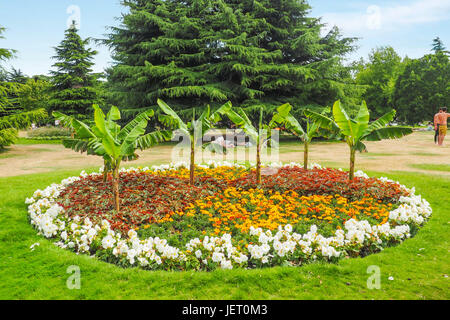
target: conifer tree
161 51
308 67
194 52
438 45
73 82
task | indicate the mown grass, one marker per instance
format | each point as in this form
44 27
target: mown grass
418 265
423 154
7 153
296 145
376 154
26 141
432 167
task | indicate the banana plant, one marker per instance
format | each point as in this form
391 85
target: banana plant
284 118
355 131
191 129
108 140
80 143
241 120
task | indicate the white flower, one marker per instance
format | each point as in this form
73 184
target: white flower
108 242
50 220
29 200
226 264
131 254
217 257
91 234
84 239
263 239
105 224
226 237
143 262
132 234
83 248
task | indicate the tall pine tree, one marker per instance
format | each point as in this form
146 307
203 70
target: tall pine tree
194 52
73 83
309 67
438 45
162 50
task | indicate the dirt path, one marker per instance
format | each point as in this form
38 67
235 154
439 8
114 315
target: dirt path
387 155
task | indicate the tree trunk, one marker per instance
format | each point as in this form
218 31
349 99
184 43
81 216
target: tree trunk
115 183
351 174
258 149
305 155
105 171
192 164
258 162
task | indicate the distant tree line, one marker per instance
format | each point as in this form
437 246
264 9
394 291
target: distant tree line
195 53
416 88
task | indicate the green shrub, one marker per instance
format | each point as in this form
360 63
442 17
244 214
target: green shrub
46 132
45 138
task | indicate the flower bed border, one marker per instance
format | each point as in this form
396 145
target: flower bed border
283 247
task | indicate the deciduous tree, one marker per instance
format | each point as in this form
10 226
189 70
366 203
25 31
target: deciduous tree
422 88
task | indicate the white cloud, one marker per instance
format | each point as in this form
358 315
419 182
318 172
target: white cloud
390 17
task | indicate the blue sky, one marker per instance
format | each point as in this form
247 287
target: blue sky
35 26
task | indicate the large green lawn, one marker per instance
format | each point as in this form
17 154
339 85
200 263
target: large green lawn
418 265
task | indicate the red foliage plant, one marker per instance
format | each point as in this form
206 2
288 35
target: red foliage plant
324 182
146 198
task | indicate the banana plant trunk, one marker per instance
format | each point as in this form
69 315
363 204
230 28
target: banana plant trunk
258 161
351 174
305 155
192 164
105 170
115 184
258 149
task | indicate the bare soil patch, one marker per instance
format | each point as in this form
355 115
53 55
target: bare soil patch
387 155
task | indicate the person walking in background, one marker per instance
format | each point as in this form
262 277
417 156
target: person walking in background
436 133
440 124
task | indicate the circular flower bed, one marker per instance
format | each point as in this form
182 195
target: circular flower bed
294 217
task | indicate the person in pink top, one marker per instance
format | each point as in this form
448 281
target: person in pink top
440 124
